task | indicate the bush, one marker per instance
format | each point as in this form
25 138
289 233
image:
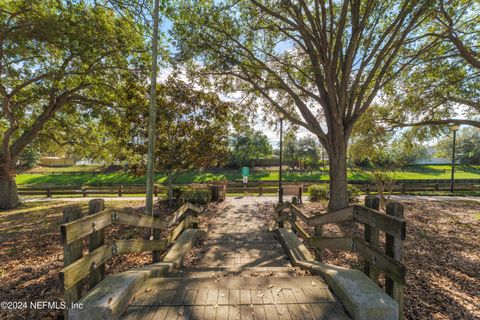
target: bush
320 192
182 195
353 193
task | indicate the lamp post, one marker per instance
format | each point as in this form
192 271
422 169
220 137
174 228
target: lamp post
280 188
454 128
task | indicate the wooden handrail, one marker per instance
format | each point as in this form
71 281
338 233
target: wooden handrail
83 227
75 231
392 225
389 224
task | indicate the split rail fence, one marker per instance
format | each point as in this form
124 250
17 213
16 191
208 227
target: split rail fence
253 188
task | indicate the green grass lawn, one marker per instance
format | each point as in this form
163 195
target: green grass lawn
121 178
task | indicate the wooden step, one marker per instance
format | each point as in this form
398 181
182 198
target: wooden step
238 272
303 297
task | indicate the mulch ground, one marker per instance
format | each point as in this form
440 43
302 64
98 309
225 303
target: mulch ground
441 255
31 253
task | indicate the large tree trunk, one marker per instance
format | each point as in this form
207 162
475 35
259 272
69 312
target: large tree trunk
338 176
8 187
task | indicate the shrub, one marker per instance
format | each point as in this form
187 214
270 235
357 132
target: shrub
353 193
192 195
322 192
319 192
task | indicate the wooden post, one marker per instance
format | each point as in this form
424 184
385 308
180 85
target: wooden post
84 191
280 223
371 236
403 188
95 240
71 253
261 188
120 191
49 193
300 191
155 190
156 255
394 249
318 233
436 186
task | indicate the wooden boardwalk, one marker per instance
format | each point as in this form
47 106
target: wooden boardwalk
243 274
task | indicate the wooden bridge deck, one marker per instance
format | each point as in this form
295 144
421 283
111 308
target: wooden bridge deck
217 286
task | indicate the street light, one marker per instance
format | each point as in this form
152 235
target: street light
454 128
280 188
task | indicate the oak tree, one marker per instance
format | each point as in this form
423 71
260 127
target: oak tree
320 63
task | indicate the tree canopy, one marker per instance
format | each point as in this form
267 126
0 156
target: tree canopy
57 58
320 63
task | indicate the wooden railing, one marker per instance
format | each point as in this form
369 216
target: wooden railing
253 187
78 228
376 261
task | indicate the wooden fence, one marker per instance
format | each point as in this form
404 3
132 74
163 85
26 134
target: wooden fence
77 228
376 260
253 188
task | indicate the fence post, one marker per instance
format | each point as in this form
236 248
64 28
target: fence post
403 188
49 193
261 188
71 253
300 191
318 233
84 191
371 235
120 191
394 249
95 240
155 190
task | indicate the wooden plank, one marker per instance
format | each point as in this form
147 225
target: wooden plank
80 269
96 240
139 220
178 230
245 297
259 312
72 252
300 214
85 226
234 312
282 311
190 297
246 312
392 225
222 313
394 249
209 313
371 235
196 209
339 243
201 297
138 245
197 313
339 216
300 231
234 297
222 297
271 312
212 297
382 262
178 215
